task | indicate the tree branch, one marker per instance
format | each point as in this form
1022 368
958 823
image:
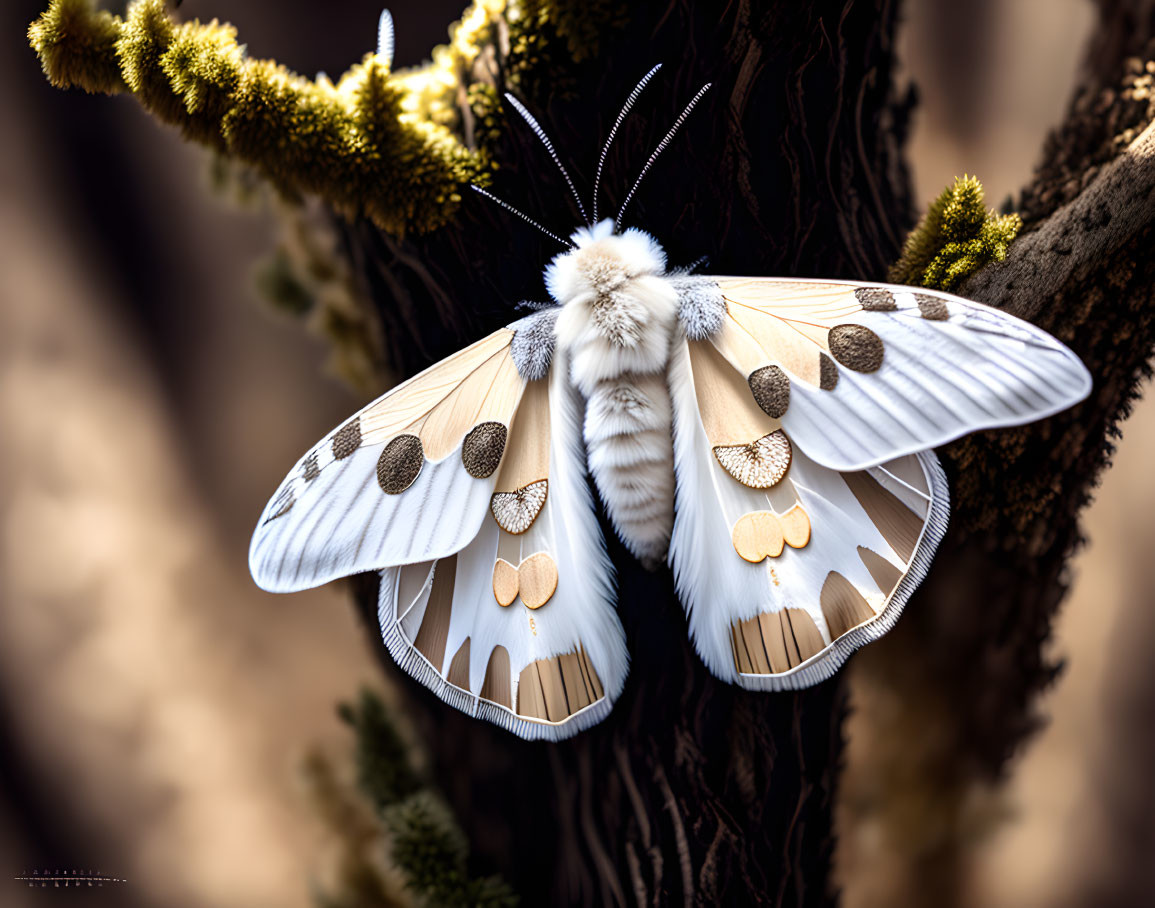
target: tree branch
1114 208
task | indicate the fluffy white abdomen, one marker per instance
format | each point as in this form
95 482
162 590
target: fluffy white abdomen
619 311
631 457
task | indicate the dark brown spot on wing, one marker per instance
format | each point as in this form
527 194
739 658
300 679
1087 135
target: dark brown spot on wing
827 373
399 464
482 449
875 299
347 439
856 347
932 307
311 470
771 389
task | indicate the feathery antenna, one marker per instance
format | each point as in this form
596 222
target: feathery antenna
385 37
521 214
540 133
613 132
657 151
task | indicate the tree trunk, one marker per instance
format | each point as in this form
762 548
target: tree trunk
967 662
692 791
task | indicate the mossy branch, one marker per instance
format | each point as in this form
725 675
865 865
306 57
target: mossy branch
956 238
396 841
369 145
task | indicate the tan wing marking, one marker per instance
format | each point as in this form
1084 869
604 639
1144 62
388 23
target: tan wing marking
577 689
784 322
554 689
505 582
527 459
885 574
478 384
730 414
757 536
898 524
489 394
459 667
843 606
497 686
522 482
796 527
537 577
774 642
434 630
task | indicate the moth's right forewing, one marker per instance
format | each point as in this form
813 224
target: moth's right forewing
876 371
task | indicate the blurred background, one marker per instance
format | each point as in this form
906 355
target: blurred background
155 706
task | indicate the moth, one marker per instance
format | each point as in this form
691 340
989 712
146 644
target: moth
769 439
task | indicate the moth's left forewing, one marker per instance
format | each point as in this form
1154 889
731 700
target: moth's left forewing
875 371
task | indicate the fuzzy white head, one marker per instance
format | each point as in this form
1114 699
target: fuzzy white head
618 305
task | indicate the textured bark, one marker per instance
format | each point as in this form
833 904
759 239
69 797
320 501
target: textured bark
949 697
692 791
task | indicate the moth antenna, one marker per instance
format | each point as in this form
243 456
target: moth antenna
533 306
385 41
657 151
613 132
700 262
521 214
540 133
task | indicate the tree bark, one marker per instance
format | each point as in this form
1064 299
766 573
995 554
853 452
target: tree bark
692 792
944 702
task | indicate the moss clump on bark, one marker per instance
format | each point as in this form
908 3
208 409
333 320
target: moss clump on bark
400 844
956 237
369 145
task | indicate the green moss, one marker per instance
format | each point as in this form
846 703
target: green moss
277 282
957 237
385 146
582 26
425 843
351 144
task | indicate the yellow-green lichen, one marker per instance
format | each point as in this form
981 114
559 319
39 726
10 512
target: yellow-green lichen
357 144
393 147
957 237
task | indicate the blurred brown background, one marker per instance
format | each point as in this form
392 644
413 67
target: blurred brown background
154 703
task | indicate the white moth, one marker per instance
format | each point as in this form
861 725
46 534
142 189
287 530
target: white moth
770 439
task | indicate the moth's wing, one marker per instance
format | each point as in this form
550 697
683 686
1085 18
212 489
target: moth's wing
551 660
407 479
840 552
865 373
